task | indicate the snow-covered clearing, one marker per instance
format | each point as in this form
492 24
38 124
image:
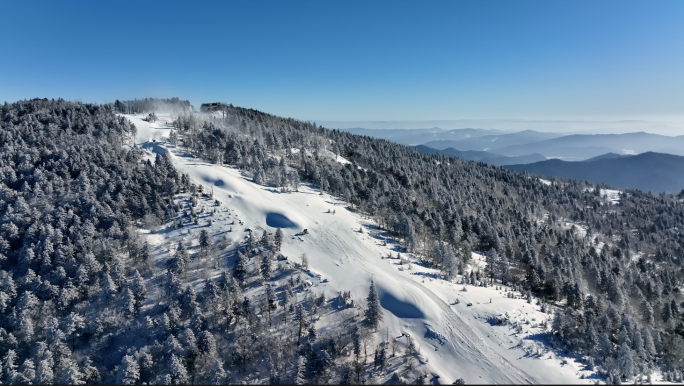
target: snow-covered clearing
545 182
611 194
455 340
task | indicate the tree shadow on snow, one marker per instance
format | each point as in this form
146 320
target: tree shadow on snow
426 275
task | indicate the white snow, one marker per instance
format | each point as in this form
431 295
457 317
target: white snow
150 131
545 182
455 340
612 195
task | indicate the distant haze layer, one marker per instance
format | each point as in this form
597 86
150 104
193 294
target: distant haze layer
671 127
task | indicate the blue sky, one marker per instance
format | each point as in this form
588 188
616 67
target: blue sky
356 61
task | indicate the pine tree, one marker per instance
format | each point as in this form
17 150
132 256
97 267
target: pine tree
90 373
9 363
189 298
278 239
381 358
129 303
44 373
649 346
266 266
301 322
129 371
647 313
180 261
204 242
374 310
300 375
605 348
146 256
305 262
178 372
207 343
313 334
139 290
27 372
625 362
217 374
240 268
71 375
108 289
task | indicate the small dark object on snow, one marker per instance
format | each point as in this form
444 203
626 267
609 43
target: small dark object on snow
248 230
305 231
154 140
469 304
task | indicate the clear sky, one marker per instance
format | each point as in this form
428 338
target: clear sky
356 60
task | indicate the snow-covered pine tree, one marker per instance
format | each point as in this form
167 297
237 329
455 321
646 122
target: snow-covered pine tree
300 371
266 266
374 310
217 374
129 371
625 361
240 268
305 262
278 239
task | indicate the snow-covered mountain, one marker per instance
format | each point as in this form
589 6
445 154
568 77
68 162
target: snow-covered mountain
169 246
451 327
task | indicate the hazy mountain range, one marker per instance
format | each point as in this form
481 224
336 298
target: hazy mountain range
655 172
483 156
581 147
419 136
491 142
633 160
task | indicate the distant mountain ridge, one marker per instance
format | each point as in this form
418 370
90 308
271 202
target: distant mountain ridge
412 137
492 142
650 171
583 146
482 156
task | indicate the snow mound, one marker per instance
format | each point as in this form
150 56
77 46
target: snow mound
399 308
216 181
153 147
277 220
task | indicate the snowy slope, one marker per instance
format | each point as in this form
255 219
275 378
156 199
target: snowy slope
455 340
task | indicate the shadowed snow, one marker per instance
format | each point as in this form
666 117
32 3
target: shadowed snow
399 308
277 220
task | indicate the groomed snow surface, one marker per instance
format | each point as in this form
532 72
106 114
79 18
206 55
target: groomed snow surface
455 340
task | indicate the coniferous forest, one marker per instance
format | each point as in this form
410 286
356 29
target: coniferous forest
83 301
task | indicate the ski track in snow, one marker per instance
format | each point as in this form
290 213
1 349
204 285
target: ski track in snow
336 250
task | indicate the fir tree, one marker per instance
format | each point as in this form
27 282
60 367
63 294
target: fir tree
300 374
266 266
374 310
278 239
240 268
129 371
178 372
625 362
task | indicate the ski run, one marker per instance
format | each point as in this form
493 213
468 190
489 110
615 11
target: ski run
456 328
